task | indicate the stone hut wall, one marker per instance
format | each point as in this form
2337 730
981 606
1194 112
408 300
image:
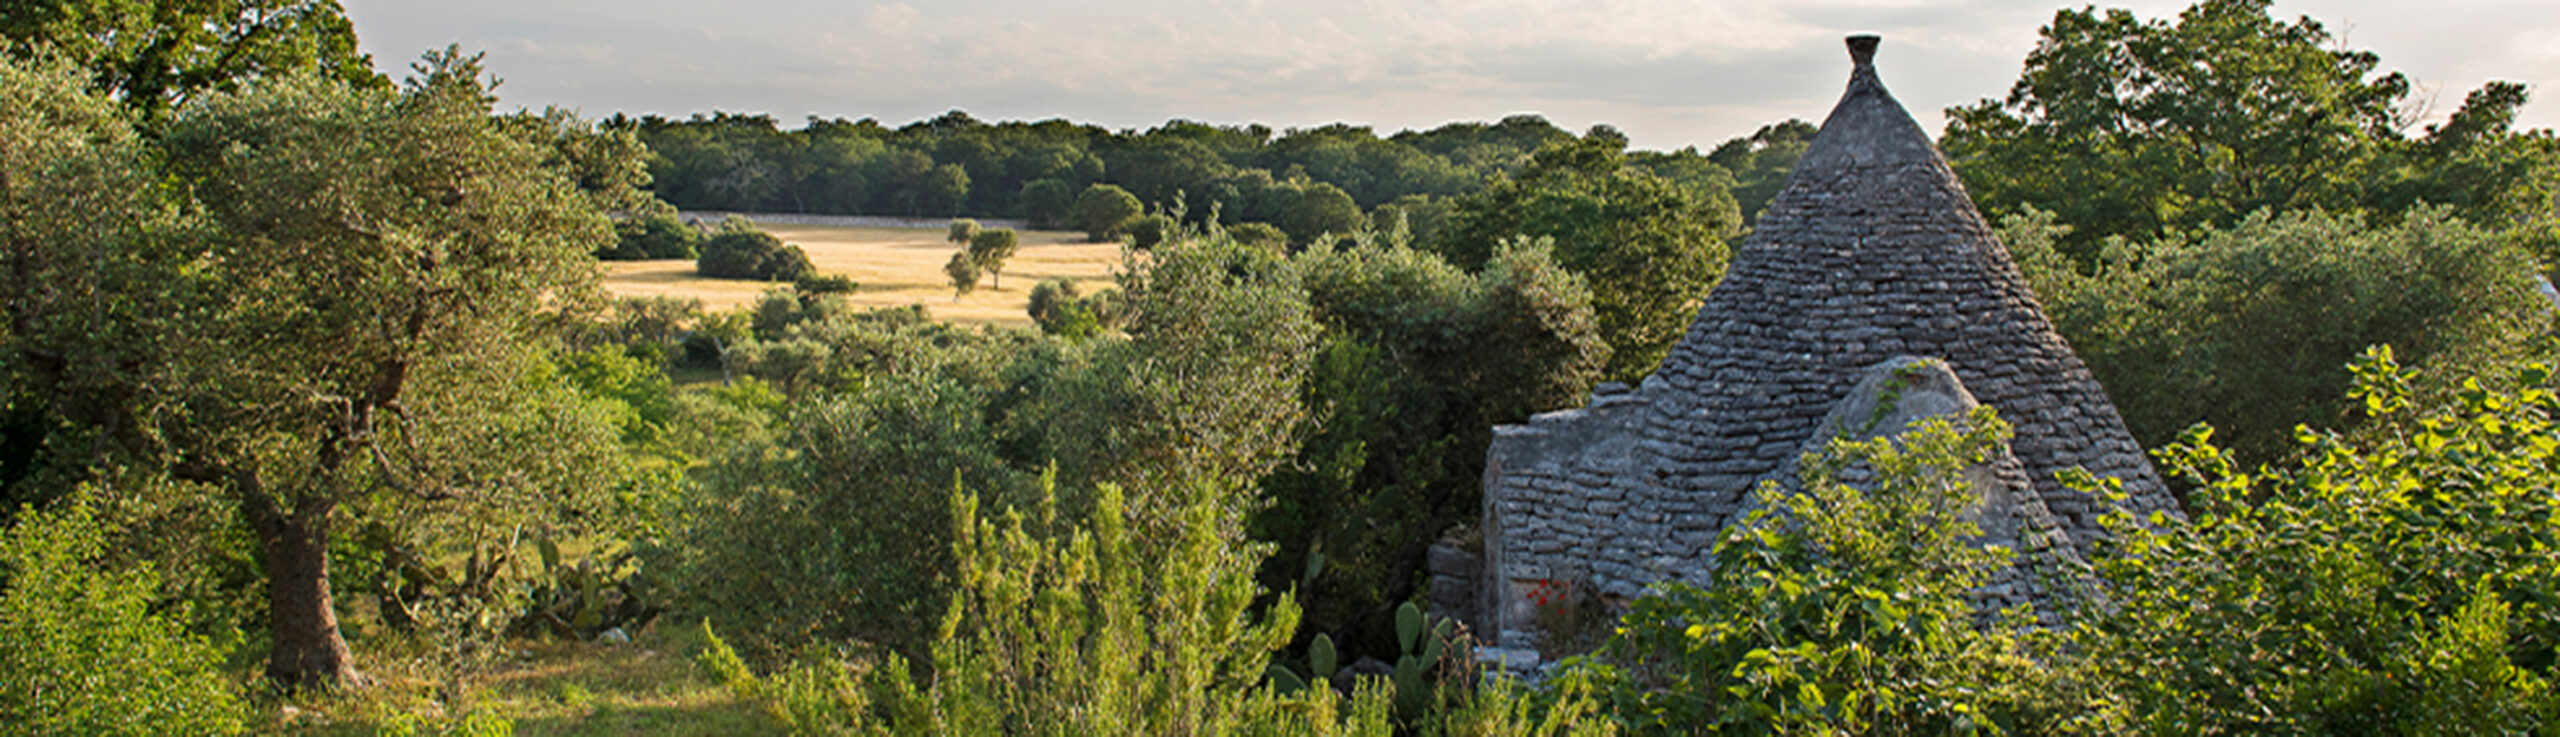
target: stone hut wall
1559 505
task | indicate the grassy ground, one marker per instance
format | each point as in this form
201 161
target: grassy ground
894 266
649 686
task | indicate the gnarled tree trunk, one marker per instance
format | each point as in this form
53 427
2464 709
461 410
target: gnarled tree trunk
302 617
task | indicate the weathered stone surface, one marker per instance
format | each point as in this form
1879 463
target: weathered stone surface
1872 250
1449 593
1448 560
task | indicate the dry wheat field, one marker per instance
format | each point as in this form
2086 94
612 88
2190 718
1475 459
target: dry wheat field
894 266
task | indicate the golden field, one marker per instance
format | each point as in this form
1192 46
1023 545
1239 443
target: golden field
893 266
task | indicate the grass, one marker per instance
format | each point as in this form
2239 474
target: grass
894 266
649 686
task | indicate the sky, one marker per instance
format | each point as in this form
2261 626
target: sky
1669 74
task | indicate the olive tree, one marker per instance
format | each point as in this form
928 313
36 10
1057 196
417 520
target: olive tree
963 272
367 327
991 248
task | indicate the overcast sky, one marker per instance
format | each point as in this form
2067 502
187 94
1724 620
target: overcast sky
1670 74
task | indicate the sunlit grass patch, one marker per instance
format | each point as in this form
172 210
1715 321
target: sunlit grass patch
647 686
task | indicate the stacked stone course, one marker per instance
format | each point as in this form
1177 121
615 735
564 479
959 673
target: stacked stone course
1870 255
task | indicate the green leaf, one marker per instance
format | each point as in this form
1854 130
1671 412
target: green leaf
1408 626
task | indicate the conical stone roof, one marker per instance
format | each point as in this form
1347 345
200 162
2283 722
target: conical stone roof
1872 251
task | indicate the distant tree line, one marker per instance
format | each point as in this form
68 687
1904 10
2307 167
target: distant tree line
1305 182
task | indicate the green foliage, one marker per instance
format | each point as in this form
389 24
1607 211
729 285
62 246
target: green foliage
649 324
1501 707
155 58
1420 360
2242 327
726 161
718 421
843 531
797 366
814 284
370 320
1839 608
1424 644
1419 217
962 229
1219 337
1046 202
1259 235
1058 309
2393 581
1649 248
95 279
1146 231
836 519
738 250
1761 162
1050 303
778 311
1081 629
610 166
82 652
1318 210
2138 128
475 723
1205 384
942 189
1104 211
652 236
963 272
635 393
991 248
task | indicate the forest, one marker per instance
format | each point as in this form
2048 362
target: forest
319 421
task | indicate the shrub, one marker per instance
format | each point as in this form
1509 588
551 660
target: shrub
843 534
1058 308
636 394
81 653
2244 327
1145 231
1048 298
740 251
1065 629
777 311
1837 609
1419 361
827 284
658 235
1259 235
2394 581
1103 211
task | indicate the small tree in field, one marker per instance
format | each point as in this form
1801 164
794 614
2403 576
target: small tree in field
991 248
962 229
964 274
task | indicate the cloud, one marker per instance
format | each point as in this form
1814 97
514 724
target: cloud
892 19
